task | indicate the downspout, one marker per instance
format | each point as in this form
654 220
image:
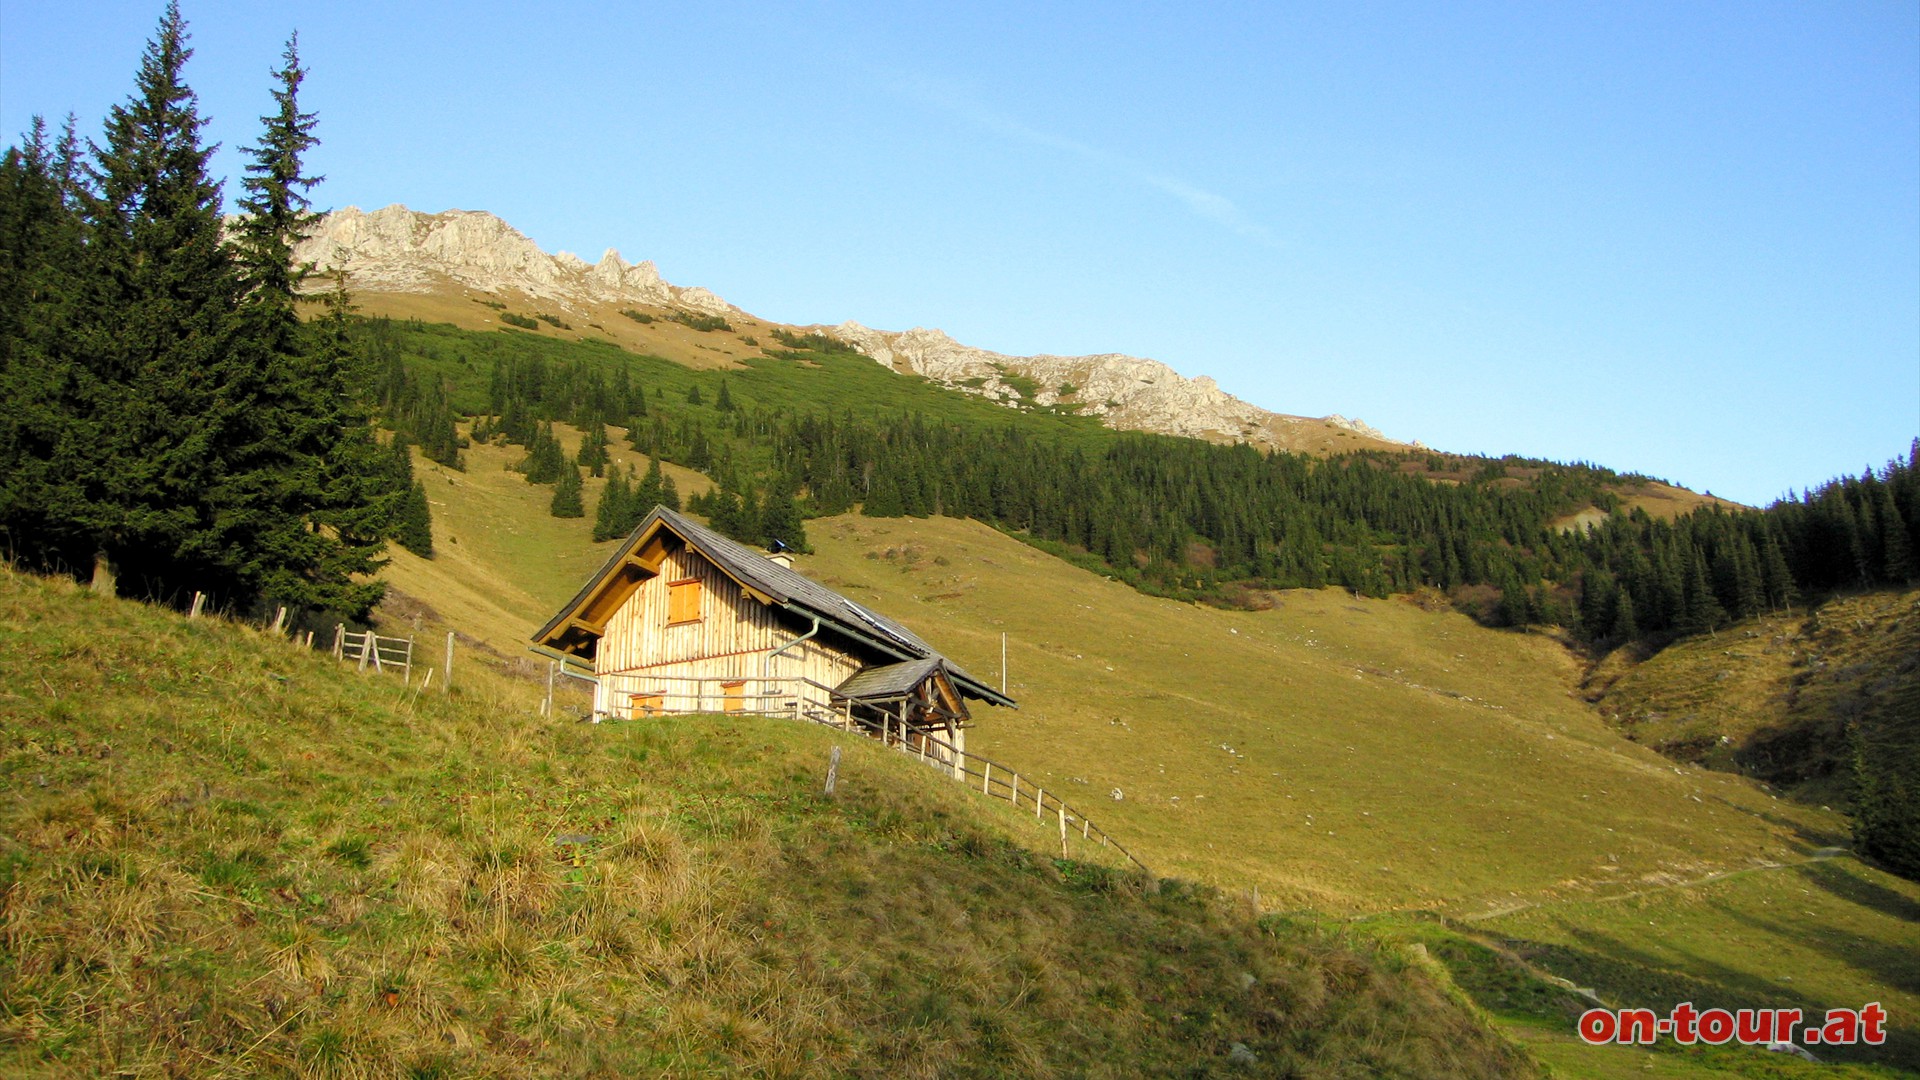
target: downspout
766 663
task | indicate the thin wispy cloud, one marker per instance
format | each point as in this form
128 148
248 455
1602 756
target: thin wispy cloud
1207 205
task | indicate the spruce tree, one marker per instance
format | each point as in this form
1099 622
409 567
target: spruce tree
166 402
566 494
41 247
298 450
652 489
611 511
1897 559
1701 612
414 530
1624 628
780 519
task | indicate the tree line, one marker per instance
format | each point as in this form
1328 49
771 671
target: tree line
172 424
1194 520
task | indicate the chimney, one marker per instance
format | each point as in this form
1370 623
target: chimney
781 558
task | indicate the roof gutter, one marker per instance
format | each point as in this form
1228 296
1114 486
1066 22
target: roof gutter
981 691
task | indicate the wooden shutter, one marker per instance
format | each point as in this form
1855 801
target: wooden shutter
683 601
647 704
736 696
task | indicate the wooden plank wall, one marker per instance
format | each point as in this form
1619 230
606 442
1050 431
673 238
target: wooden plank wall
731 640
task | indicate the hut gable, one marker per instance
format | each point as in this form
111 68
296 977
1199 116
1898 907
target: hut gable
682 619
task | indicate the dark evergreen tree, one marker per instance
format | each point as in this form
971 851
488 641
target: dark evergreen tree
1886 806
593 448
1701 612
545 460
611 512
780 522
42 423
167 403
304 431
652 488
414 531
566 494
1623 628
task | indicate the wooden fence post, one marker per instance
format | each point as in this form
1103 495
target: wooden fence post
339 639
1063 830
1039 802
199 601
546 707
409 661
446 683
1015 797
833 768
280 619
366 643
986 779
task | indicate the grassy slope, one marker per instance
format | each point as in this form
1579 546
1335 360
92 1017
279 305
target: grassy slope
1291 690
220 855
1358 781
1773 696
1381 755
1473 809
501 563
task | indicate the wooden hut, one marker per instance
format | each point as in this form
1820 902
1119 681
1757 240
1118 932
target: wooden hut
684 620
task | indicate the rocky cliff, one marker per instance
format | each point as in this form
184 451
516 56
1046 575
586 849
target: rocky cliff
395 249
462 259
1127 392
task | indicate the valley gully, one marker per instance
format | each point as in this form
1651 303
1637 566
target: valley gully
1686 1025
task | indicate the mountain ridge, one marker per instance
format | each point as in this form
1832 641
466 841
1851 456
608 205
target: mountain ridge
394 253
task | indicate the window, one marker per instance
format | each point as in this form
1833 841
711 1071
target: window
735 696
683 601
648 704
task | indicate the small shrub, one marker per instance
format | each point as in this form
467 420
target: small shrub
703 323
520 321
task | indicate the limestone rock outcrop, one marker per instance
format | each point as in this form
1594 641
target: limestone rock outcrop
395 249
1127 392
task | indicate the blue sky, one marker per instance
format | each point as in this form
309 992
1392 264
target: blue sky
1681 239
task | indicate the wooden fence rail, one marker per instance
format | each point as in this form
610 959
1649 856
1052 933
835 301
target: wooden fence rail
370 650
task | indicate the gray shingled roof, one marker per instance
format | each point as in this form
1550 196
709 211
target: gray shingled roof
785 585
789 588
891 680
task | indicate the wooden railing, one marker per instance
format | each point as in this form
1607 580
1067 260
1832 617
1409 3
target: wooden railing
371 650
803 699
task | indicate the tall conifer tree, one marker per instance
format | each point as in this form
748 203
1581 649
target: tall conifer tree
161 394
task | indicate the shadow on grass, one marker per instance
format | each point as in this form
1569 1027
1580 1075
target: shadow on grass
1631 977
1841 879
